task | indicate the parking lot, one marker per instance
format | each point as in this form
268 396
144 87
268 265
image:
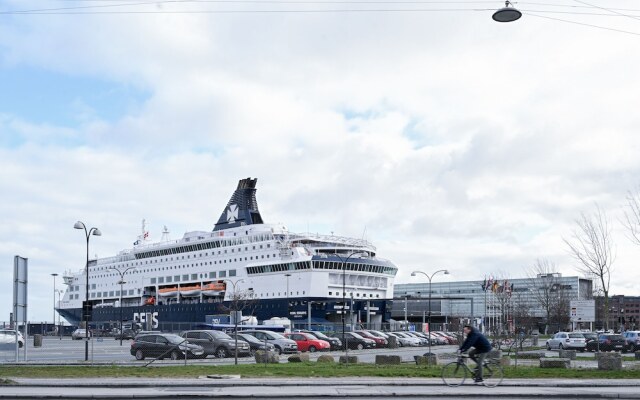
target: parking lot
107 350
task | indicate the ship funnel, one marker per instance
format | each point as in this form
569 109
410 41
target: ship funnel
242 208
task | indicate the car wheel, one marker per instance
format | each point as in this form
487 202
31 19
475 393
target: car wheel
359 346
278 350
221 352
20 344
561 346
175 355
548 346
312 349
252 352
139 355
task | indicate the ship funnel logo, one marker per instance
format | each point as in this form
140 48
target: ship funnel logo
232 213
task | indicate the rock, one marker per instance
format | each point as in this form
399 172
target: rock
426 359
326 359
348 360
269 357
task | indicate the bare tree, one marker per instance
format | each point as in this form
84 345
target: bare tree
591 245
631 219
544 281
240 301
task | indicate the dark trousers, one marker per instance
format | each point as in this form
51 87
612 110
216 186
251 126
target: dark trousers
479 359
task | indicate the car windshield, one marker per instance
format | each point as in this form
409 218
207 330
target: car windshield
175 339
220 335
248 338
576 336
274 335
320 335
356 335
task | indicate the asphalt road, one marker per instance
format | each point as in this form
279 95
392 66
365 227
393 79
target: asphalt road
108 350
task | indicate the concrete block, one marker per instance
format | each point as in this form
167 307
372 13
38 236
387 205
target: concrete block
505 361
609 362
570 354
555 363
387 360
637 353
393 342
532 355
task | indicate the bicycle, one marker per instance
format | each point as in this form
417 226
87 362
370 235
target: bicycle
456 372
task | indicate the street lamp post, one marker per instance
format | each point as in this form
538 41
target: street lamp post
288 311
344 293
59 291
429 277
85 309
234 301
121 282
54 300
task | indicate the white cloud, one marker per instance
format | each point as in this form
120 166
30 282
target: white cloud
447 139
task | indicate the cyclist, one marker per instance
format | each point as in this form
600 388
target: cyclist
481 347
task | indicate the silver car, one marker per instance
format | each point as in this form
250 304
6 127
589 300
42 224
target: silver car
282 344
79 334
567 340
8 336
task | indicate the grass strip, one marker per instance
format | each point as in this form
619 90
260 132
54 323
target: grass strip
292 370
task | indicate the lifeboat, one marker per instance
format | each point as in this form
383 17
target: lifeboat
168 292
213 289
188 291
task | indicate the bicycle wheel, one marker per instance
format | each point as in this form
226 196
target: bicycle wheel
492 374
454 374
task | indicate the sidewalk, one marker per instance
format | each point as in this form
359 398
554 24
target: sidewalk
233 387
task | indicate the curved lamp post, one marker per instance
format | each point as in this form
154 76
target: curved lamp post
121 282
507 14
85 315
234 301
344 292
429 277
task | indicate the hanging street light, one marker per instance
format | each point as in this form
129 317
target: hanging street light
507 14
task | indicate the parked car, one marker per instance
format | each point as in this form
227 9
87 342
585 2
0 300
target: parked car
281 343
217 343
163 345
334 342
79 334
380 342
125 335
633 340
423 340
409 340
567 340
308 342
354 341
8 336
400 340
608 342
253 342
589 337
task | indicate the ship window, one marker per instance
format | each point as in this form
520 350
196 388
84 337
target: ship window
260 246
212 274
111 294
161 279
232 272
99 294
223 274
93 286
176 278
130 292
194 277
330 293
168 279
153 280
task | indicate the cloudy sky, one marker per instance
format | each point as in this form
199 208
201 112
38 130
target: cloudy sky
445 138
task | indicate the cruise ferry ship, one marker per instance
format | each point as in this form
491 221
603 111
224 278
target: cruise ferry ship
276 273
